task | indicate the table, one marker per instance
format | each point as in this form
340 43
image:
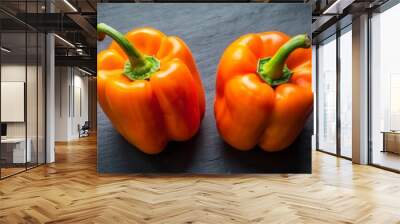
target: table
391 141
19 155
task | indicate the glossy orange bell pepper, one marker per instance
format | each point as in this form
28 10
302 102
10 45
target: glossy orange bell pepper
264 91
149 87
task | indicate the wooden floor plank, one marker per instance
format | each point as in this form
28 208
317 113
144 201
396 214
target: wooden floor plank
71 191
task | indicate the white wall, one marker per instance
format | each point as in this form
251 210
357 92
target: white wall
62 81
81 94
71 93
16 73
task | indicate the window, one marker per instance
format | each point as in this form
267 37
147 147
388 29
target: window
385 89
335 94
22 77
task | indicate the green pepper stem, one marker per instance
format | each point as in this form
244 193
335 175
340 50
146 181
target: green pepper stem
136 58
274 67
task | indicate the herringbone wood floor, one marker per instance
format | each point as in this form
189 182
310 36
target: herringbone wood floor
70 191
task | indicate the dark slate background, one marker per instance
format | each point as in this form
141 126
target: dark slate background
207 29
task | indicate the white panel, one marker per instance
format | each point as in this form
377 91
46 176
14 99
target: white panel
12 101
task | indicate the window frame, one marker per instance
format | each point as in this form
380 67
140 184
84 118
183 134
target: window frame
339 32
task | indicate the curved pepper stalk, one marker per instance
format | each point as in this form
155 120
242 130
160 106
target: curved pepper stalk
139 66
273 70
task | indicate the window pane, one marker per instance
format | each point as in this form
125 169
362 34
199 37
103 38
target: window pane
327 96
32 87
385 84
31 98
14 153
346 94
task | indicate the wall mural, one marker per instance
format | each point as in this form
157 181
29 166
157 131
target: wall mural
204 88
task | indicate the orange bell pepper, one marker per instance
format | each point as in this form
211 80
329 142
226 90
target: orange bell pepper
264 91
149 87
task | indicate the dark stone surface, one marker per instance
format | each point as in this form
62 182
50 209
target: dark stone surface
207 29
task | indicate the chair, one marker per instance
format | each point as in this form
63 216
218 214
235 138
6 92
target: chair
84 130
